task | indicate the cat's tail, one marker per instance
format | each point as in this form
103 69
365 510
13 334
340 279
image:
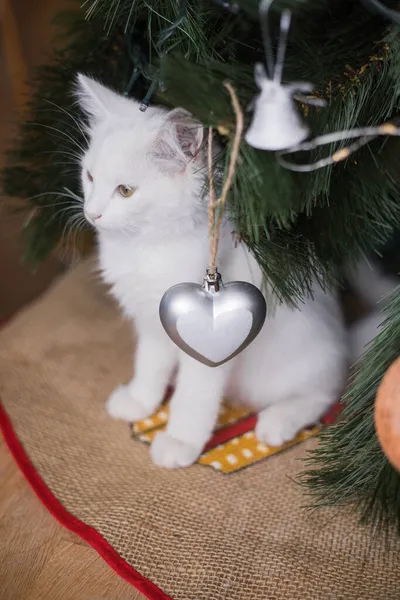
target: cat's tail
374 288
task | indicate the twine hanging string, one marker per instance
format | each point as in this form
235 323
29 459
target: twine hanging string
214 222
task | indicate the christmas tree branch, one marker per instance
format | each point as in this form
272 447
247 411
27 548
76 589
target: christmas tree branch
348 465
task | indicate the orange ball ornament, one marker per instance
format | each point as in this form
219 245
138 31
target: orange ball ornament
387 414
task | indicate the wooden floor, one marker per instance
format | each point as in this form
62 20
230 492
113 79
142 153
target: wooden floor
39 559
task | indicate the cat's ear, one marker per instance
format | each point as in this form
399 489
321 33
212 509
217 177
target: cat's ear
260 75
179 140
98 101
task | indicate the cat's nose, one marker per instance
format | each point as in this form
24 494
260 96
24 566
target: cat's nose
92 216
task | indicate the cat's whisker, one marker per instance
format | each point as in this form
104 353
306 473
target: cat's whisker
73 219
116 3
64 164
70 115
129 229
60 131
125 232
75 204
72 245
68 226
65 125
62 211
128 20
77 157
92 9
80 226
69 238
72 194
56 204
59 194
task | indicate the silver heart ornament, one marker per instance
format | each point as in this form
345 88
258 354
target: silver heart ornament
213 322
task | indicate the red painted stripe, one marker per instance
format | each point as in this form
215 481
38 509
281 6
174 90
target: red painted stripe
248 424
333 414
231 431
87 533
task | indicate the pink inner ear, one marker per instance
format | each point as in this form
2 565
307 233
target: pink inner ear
184 136
178 142
193 150
187 139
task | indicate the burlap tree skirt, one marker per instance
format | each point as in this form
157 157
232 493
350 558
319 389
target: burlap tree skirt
195 534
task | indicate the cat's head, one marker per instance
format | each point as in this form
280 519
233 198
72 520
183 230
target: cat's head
142 170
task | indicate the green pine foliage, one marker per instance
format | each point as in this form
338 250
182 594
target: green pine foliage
43 163
298 225
349 465
191 37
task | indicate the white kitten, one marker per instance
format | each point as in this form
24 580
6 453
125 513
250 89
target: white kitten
152 234
375 289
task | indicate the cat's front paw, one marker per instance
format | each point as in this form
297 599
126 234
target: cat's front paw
171 453
278 424
122 405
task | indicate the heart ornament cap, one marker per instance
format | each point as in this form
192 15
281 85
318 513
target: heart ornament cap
213 322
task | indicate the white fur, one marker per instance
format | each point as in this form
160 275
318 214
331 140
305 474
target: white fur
158 237
375 289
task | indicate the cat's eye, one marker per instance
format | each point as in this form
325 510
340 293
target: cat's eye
126 190
89 176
